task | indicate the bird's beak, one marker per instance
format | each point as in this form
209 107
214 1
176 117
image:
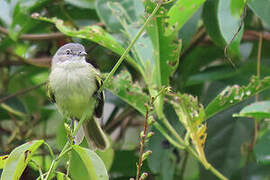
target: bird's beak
83 53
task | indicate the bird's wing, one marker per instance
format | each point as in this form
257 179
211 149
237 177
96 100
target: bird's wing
100 97
50 93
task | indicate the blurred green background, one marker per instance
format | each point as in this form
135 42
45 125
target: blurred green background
26 48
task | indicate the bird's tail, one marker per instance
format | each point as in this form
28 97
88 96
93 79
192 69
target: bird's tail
94 135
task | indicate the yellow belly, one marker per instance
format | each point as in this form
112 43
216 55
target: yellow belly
73 86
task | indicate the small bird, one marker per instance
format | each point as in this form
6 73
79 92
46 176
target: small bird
73 85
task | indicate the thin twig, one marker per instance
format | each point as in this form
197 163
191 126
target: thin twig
65 150
235 35
36 37
255 134
118 119
130 45
184 165
21 92
5 131
39 168
142 143
45 36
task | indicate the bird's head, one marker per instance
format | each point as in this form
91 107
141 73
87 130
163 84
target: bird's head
70 52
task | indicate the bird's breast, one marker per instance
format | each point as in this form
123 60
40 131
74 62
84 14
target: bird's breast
73 88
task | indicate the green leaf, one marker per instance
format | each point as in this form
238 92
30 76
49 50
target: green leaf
18 160
93 33
221 25
95 167
232 95
165 54
123 87
14 106
255 110
107 157
261 9
180 13
3 160
262 150
166 48
85 4
192 115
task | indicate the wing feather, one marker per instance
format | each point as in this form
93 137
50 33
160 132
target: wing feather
50 93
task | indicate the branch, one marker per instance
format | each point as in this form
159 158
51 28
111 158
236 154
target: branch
21 92
45 36
249 35
35 37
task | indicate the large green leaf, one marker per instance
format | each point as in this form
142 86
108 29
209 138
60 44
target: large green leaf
261 9
18 160
256 110
262 150
192 115
166 48
95 167
92 33
165 54
180 13
235 94
221 25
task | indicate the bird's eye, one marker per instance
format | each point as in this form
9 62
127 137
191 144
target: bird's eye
68 51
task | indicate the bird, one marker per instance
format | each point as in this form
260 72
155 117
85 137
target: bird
73 85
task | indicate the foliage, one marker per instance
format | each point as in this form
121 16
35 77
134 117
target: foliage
175 69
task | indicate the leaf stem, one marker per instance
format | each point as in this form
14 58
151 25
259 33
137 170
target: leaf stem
255 134
66 148
79 125
130 46
62 153
50 150
39 169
